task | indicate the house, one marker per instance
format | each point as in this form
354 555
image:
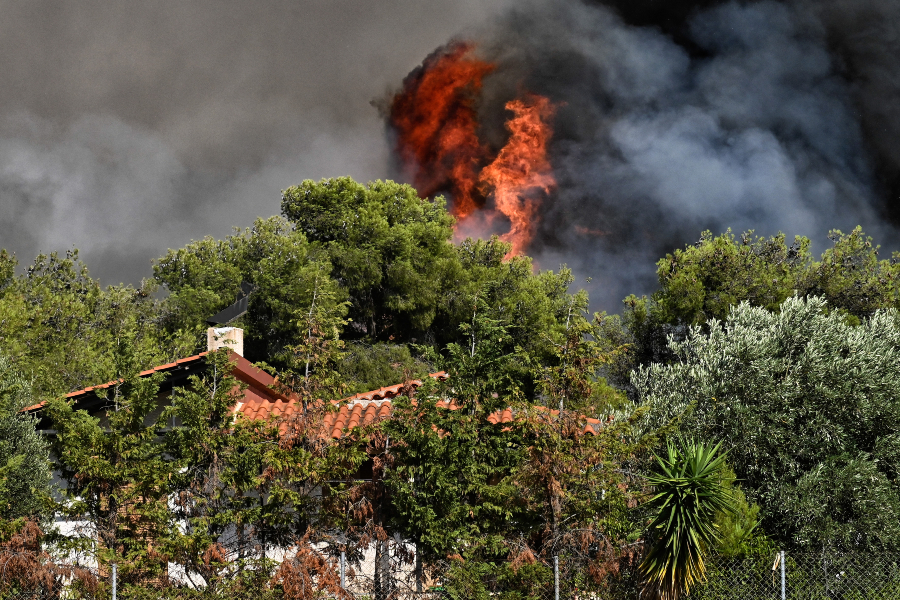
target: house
259 400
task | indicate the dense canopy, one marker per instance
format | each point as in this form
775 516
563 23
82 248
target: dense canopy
787 362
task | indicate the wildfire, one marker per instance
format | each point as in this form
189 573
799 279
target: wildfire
521 173
436 123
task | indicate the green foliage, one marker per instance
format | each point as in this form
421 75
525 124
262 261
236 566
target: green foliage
369 367
203 278
568 475
449 474
689 495
115 472
407 283
569 379
531 306
60 327
738 528
215 479
24 470
480 471
478 579
383 250
807 406
702 282
24 454
850 276
8 266
311 364
390 249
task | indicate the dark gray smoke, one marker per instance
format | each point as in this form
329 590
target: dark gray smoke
130 127
676 117
127 128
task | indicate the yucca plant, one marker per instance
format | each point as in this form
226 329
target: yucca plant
690 492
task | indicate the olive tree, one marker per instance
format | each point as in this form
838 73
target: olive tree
807 404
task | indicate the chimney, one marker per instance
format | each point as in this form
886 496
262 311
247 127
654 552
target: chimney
228 337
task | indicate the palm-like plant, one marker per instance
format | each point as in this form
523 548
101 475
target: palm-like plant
689 493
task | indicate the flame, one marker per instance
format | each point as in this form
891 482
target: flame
434 117
436 123
521 174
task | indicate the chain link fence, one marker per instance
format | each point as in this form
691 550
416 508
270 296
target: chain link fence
806 576
398 576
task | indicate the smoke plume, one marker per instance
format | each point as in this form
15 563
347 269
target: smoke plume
127 128
676 117
130 127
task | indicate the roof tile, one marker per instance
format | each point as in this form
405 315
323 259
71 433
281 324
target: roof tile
359 410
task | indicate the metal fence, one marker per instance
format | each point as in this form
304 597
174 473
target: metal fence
805 576
399 577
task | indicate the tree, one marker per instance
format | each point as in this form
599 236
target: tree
204 277
850 276
61 328
531 307
703 281
215 482
311 372
378 247
449 465
482 471
366 367
389 248
573 479
690 494
24 454
807 406
116 473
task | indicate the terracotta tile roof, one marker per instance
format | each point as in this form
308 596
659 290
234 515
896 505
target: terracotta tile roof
360 410
261 401
77 394
591 425
356 411
258 381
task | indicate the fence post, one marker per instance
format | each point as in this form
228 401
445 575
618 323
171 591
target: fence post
783 587
555 578
343 562
114 581
419 574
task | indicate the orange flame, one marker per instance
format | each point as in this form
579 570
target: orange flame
521 173
436 125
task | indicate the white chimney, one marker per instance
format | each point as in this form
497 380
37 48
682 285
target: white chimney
227 337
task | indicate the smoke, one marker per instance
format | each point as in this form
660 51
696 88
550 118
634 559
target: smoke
677 117
128 128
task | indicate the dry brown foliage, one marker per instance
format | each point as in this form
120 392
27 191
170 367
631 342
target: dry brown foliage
25 567
308 573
